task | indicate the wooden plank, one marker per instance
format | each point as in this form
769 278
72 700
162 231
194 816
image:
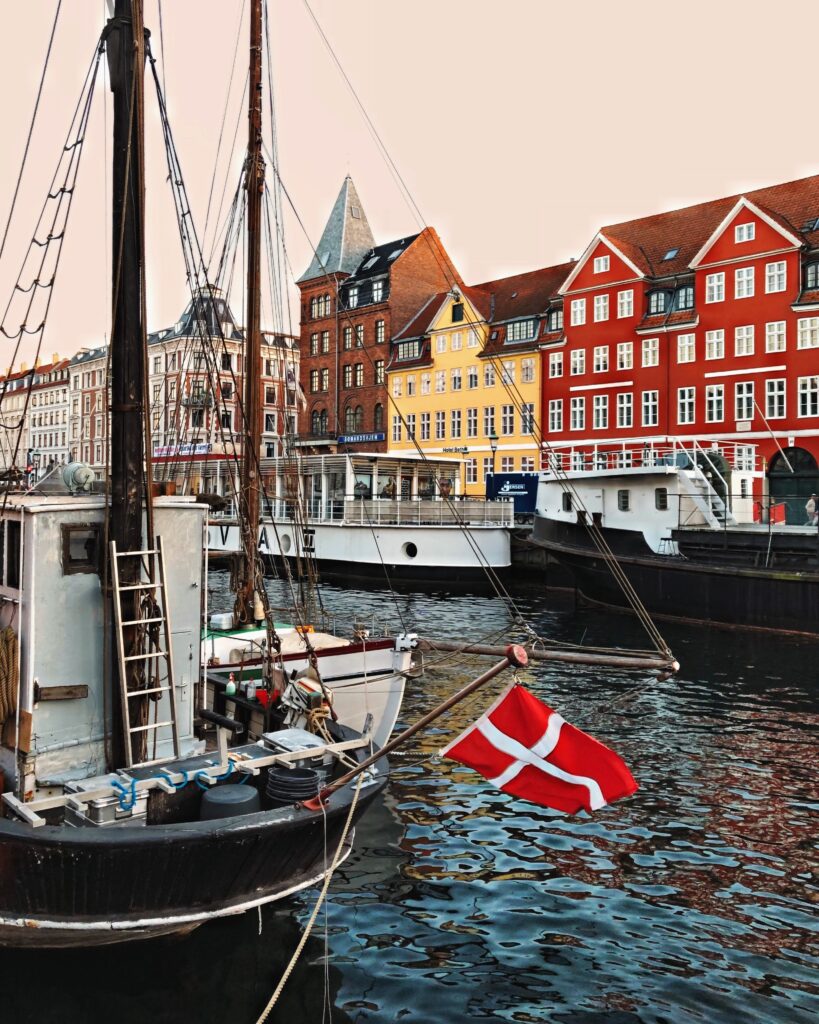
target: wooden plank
75 692
23 742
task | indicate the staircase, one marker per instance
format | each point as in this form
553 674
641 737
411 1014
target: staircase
147 640
706 499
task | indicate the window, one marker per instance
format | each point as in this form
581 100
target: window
744 232
744 457
472 422
744 283
472 338
457 312
527 371
426 382
425 418
487 468
521 330
507 420
775 336
81 545
685 405
325 380
555 364
809 396
527 418
359 375
378 291
472 377
440 425
625 355
411 427
347 338
661 498
471 466
775 276
556 320
227 361
410 385
686 348
270 396
555 415
566 502
455 379
775 398
488 420
744 340
440 343
379 332
325 342
352 301
508 372
578 308
488 375
714 344
684 298
379 371
440 382
455 423
578 413
657 302
715 288
347 379
651 351
578 362
396 428
507 464
811 276
378 417
314 381
227 420
157 369
359 335
527 463
625 303
600 412
808 332
270 422
601 264
744 400
714 403
651 408
457 341
601 308
625 409
623 501
314 344
601 359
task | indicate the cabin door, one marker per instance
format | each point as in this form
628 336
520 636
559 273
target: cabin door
793 488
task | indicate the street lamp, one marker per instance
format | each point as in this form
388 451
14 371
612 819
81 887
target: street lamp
493 447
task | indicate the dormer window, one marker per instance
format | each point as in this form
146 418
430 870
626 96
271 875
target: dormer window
352 296
745 232
378 291
556 320
601 264
685 297
457 312
670 254
520 330
812 275
657 302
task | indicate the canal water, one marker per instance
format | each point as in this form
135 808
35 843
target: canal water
693 901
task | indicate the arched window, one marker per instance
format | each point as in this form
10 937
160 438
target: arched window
349 420
359 418
378 417
318 421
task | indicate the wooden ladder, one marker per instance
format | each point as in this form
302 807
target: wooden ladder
154 657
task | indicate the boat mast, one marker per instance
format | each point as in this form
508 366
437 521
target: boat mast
125 47
251 446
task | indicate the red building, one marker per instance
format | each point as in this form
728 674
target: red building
697 323
354 295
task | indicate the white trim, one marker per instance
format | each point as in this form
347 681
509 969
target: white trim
746 258
808 308
670 328
740 373
584 259
743 203
597 387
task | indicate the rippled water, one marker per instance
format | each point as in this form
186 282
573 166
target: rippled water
694 900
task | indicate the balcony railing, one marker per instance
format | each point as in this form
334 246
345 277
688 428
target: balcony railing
388 512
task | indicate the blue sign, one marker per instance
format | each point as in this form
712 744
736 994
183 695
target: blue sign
520 486
359 438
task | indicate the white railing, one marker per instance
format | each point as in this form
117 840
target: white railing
390 512
670 451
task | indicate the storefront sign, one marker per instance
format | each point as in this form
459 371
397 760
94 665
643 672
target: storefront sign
360 438
169 450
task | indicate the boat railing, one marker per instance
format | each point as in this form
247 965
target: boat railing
679 452
471 512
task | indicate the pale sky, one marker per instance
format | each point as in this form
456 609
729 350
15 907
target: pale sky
520 127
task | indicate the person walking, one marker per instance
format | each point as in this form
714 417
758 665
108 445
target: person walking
811 511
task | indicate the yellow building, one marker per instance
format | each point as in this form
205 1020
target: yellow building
462 383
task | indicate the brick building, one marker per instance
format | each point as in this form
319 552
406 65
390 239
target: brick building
89 432
354 296
697 323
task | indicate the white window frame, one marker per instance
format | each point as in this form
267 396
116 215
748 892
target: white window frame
714 403
578 312
808 332
744 399
776 336
776 276
686 348
625 355
578 413
744 284
601 308
650 405
507 420
578 362
745 232
776 398
651 352
527 370
555 364
715 287
625 410
600 412
808 392
555 415
601 359
440 343
715 344
686 406
601 264
625 303
744 342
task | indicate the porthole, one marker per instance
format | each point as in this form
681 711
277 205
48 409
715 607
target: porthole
410 549
285 543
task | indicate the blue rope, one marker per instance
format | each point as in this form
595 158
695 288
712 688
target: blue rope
202 773
127 794
169 778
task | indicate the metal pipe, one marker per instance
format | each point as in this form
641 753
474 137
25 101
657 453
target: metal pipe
647 662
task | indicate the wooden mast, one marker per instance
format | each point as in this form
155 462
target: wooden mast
125 48
251 442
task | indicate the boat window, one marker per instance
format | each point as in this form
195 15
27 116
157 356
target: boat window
623 500
567 501
743 488
13 554
80 548
661 498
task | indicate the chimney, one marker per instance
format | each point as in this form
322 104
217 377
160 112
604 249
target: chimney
55 357
23 367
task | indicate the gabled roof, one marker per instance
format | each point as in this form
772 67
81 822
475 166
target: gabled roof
422 323
345 239
378 259
524 294
646 241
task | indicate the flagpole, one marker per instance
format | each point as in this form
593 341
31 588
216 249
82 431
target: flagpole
514 656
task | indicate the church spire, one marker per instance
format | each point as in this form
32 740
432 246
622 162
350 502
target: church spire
346 238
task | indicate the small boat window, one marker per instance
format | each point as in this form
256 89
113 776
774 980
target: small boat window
623 500
567 501
743 488
661 498
80 548
13 554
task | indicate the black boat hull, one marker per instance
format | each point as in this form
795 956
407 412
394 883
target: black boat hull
718 593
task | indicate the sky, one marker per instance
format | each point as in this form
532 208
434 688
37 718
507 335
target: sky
518 127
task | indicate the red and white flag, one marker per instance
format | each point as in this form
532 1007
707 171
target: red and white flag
530 751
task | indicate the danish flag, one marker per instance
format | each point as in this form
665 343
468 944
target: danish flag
528 750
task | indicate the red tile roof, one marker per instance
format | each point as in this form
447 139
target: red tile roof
525 294
422 322
645 241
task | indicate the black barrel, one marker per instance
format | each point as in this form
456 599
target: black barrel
290 785
227 801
